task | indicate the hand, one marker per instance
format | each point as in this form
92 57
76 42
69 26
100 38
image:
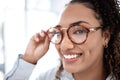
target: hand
37 47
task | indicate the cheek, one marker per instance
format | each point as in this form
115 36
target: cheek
95 40
93 53
94 46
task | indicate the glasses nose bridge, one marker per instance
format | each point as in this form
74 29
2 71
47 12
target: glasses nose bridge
65 33
66 42
64 29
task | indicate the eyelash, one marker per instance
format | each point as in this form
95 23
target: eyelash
79 31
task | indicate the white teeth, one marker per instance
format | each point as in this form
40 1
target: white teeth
70 56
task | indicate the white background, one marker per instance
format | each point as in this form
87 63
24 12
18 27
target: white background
20 20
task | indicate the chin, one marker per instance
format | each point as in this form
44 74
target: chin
70 68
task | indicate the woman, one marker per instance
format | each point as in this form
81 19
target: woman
87 39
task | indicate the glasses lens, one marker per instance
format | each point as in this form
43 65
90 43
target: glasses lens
77 34
55 35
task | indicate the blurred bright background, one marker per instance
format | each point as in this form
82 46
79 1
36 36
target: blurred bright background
19 20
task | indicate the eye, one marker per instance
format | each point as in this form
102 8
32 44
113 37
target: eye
79 31
58 34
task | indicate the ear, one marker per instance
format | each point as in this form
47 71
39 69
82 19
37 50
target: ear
106 37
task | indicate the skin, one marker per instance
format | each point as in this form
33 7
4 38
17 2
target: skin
90 63
91 60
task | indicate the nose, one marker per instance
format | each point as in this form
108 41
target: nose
66 43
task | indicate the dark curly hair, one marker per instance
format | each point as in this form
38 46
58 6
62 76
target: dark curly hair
109 15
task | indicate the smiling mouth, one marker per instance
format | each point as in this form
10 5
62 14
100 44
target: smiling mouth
72 56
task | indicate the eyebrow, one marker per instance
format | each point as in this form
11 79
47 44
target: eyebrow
74 24
78 23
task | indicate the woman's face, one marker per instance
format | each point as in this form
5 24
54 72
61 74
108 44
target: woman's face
88 55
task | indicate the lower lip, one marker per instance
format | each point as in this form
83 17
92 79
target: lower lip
71 60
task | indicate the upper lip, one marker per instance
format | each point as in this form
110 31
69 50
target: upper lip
71 53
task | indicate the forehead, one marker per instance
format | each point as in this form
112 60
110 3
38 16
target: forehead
77 12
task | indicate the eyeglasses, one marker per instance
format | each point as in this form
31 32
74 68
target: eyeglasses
77 34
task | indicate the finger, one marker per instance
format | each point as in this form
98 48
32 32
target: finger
35 37
47 41
42 33
39 36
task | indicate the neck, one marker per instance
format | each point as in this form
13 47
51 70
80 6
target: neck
95 73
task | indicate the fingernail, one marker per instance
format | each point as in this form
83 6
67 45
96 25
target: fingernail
37 39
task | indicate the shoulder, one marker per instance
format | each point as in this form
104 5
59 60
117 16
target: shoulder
48 75
111 77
